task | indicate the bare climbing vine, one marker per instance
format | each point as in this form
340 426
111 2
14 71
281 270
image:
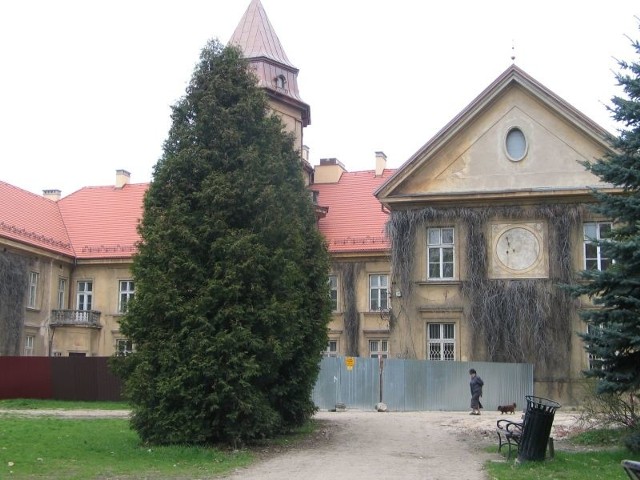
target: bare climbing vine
348 272
13 288
514 320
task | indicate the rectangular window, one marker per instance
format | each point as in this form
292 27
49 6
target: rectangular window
124 347
440 245
378 293
85 295
378 348
331 350
33 289
593 256
127 292
593 361
333 288
441 341
28 345
62 292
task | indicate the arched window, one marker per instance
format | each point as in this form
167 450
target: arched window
280 82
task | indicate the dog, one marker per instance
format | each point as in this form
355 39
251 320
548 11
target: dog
507 408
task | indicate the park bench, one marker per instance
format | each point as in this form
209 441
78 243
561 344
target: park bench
509 433
632 468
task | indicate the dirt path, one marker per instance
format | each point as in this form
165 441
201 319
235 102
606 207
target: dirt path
405 446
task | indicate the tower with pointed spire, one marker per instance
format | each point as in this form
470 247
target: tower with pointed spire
276 74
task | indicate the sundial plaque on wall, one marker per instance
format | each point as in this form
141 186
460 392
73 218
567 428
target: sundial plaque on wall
518 250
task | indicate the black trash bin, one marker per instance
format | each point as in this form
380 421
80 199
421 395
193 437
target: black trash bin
538 419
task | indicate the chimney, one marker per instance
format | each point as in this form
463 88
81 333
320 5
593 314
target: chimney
381 163
329 171
53 194
122 178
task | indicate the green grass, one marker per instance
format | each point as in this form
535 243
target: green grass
601 465
28 403
602 462
54 448
601 437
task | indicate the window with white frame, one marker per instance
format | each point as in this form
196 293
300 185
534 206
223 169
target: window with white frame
440 252
28 345
331 350
124 347
333 292
33 289
441 341
62 292
378 348
378 292
127 292
85 295
593 256
592 360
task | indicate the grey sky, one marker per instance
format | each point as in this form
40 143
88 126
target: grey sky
86 86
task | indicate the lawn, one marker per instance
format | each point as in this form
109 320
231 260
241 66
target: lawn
600 465
55 448
601 462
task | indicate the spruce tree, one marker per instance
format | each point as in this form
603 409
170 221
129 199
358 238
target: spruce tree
614 336
232 300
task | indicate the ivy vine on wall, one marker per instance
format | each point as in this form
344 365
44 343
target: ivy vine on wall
13 289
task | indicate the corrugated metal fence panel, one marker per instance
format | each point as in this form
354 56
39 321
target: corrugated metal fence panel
404 385
325 391
108 386
25 377
85 378
359 387
419 385
72 378
505 383
60 378
447 384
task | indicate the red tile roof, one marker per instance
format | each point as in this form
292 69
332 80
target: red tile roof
33 219
102 221
355 221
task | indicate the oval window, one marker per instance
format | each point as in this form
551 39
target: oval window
516 144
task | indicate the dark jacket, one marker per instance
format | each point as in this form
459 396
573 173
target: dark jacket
476 384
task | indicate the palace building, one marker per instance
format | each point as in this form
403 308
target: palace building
460 254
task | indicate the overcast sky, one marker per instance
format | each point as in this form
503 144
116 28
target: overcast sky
86 86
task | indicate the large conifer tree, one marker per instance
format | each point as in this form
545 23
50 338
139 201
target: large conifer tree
232 301
614 337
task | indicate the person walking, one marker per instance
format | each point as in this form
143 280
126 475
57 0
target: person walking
476 384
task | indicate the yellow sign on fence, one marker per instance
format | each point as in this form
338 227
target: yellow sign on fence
350 362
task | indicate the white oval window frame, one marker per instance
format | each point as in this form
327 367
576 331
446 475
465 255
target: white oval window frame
526 144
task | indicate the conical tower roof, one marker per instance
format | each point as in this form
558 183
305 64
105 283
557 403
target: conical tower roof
256 37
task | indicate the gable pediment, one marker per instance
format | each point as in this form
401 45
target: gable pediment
469 157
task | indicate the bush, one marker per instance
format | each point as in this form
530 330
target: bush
632 442
609 409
